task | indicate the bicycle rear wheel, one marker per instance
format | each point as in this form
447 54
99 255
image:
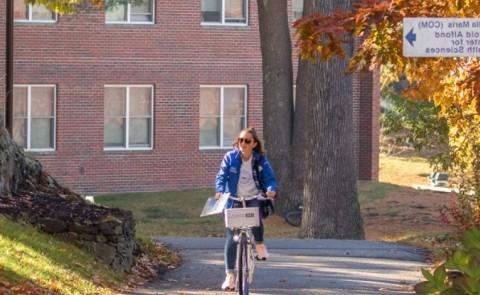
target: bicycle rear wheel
243 271
294 218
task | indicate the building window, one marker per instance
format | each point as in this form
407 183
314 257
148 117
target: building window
128 121
297 9
34 116
24 12
223 112
224 12
129 12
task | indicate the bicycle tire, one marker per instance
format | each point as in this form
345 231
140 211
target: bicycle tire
251 263
294 218
243 282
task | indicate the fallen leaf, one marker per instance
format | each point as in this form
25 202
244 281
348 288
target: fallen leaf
4 283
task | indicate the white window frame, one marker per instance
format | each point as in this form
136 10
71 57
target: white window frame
127 118
223 23
222 91
30 20
293 11
294 95
129 21
29 115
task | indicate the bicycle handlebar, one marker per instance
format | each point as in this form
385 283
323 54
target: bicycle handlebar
260 197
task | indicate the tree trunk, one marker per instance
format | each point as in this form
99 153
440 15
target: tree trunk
277 89
297 156
331 207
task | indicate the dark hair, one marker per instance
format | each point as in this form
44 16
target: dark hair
259 148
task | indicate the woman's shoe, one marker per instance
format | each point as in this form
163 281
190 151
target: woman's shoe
262 253
229 283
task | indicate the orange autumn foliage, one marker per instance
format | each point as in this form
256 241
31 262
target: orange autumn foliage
453 84
379 22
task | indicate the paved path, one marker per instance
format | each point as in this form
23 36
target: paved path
297 267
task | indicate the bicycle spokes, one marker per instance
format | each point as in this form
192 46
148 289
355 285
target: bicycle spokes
251 263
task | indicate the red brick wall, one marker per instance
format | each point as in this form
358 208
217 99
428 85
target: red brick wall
366 126
366 88
80 54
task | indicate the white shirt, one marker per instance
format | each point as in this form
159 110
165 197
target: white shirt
246 185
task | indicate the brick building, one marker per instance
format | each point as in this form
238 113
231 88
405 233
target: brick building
147 97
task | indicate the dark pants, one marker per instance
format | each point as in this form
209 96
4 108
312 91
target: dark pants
231 246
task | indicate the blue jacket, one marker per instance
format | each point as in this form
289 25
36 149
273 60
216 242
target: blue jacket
229 173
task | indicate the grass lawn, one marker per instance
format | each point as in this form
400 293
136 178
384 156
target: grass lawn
167 213
403 171
178 213
36 262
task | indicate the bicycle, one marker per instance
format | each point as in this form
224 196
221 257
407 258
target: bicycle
294 217
241 221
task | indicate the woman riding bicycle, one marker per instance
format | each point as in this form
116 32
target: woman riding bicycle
244 172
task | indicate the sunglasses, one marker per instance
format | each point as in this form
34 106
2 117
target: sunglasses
246 140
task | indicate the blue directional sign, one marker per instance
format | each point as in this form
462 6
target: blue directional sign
441 37
411 37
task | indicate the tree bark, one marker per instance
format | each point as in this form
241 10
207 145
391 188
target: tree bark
277 89
297 155
331 207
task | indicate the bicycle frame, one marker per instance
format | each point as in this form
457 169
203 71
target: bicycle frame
243 219
244 261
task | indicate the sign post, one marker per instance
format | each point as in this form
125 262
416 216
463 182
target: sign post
441 37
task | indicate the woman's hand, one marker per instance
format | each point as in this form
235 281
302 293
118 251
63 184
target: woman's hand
218 195
271 194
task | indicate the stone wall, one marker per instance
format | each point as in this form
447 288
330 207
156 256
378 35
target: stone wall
7 161
28 193
108 233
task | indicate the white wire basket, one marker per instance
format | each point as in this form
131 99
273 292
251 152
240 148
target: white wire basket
242 217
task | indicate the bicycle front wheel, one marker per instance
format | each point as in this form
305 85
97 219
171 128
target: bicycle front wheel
294 218
243 270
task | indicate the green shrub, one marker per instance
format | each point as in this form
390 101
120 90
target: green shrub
460 274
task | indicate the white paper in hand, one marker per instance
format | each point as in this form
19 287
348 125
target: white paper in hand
214 206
